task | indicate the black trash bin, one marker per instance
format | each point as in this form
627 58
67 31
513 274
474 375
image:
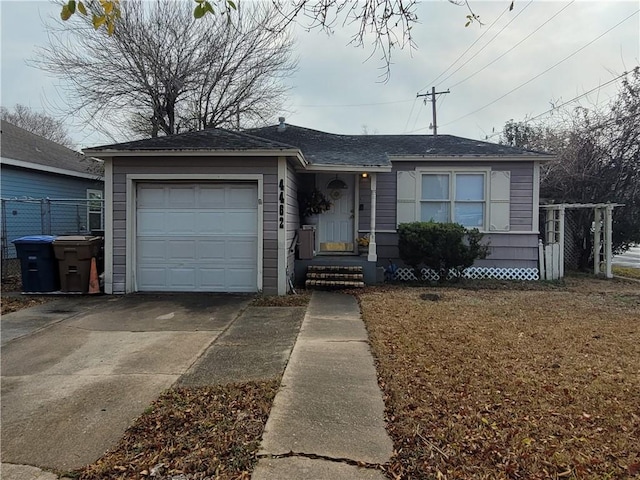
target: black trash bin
74 254
38 263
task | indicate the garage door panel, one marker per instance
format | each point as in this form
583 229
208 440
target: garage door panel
241 250
241 196
152 250
181 277
212 278
151 222
211 196
197 238
238 278
182 250
181 197
181 223
151 196
241 222
211 222
154 278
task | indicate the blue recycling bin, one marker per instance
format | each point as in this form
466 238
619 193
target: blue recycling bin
38 263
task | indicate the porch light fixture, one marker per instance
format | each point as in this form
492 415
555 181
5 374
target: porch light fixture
365 174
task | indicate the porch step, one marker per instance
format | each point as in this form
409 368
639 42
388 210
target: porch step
335 276
335 268
334 283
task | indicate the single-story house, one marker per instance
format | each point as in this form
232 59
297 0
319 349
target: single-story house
34 173
217 210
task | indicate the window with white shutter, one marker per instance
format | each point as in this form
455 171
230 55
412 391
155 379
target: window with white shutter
476 198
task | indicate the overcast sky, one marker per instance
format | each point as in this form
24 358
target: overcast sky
336 89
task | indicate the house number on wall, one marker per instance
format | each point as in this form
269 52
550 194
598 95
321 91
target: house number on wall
281 206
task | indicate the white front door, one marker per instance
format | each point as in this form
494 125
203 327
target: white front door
335 226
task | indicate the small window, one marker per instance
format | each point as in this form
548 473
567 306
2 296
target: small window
95 209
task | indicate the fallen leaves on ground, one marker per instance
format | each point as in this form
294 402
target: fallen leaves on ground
11 301
490 384
300 299
203 432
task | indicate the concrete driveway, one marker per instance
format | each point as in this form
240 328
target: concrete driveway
76 372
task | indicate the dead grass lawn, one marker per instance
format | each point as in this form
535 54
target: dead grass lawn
511 384
627 272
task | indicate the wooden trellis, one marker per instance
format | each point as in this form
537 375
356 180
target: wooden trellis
551 253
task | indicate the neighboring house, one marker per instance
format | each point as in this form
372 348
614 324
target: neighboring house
46 188
217 210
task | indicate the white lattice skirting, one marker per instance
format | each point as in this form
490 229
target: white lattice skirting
473 273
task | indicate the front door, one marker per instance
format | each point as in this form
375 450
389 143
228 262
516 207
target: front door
335 226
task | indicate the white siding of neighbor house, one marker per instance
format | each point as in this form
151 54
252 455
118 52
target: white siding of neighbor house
515 248
267 167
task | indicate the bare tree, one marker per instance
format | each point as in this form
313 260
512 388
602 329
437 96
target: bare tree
387 23
162 71
38 123
598 160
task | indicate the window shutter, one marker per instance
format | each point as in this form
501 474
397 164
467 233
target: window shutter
499 207
406 197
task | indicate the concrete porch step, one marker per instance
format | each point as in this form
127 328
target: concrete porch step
334 283
334 269
334 276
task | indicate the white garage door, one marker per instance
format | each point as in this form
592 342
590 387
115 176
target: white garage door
197 238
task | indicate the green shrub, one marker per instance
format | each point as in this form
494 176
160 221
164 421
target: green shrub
441 247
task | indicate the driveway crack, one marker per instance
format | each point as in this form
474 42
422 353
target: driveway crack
315 456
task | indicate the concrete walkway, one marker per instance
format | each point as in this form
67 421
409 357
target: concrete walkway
328 414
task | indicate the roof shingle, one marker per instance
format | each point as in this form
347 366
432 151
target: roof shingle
322 148
19 144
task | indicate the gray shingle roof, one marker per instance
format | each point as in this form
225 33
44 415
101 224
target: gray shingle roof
322 148
19 144
210 139
319 148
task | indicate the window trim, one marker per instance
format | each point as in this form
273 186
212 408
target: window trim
94 191
452 172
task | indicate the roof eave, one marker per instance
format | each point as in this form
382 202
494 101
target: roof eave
347 168
50 169
110 153
472 158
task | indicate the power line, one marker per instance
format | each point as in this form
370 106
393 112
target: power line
556 107
486 44
413 105
354 104
432 82
576 98
516 45
545 71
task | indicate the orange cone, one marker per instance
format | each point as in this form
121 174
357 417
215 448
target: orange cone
94 284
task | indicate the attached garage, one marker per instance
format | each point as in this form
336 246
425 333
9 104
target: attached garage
196 237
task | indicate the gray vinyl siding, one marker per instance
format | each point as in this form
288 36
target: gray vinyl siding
268 167
293 216
507 250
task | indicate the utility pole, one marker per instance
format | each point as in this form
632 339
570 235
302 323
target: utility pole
433 94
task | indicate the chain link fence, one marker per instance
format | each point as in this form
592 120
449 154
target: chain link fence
44 216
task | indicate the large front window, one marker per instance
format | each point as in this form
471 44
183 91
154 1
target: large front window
454 197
